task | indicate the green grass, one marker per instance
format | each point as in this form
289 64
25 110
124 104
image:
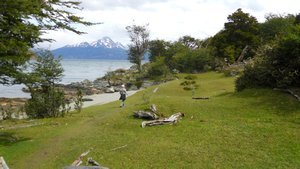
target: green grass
257 128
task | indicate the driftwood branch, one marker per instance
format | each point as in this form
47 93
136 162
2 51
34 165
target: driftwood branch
153 108
147 114
93 162
170 120
78 161
288 91
117 148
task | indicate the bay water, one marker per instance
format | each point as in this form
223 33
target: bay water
75 70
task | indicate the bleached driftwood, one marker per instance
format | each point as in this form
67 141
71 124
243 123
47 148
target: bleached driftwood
288 91
78 161
3 164
153 108
117 148
93 162
170 120
147 114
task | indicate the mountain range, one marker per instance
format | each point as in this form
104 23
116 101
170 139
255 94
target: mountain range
104 48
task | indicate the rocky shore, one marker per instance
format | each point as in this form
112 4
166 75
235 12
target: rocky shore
110 83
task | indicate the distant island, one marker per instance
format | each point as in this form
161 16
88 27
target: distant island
104 48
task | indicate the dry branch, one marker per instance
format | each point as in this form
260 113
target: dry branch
119 147
93 162
288 91
78 161
170 120
153 108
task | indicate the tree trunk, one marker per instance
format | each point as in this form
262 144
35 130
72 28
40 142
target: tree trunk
242 55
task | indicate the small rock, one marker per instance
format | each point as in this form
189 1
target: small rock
110 90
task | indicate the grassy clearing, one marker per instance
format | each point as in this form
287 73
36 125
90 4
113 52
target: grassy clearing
252 129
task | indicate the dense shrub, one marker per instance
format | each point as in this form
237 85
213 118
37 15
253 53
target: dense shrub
193 60
158 68
50 103
276 66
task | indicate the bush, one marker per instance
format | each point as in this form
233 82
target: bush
193 60
158 69
47 100
275 66
46 104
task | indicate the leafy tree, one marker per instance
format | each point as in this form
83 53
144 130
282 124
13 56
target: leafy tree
22 22
240 33
139 37
47 100
276 27
297 19
189 42
158 48
276 65
193 60
158 69
78 101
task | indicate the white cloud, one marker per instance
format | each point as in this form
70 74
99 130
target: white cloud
168 19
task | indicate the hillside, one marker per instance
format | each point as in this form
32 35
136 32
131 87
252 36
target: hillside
257 128
104 48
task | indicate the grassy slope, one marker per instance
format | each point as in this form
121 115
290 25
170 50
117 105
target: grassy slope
252 129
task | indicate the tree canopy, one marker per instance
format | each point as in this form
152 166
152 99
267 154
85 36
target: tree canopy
22 22
139 37
240 32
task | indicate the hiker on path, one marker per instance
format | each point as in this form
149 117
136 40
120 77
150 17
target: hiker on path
122 95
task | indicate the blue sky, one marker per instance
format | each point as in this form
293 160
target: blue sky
167 19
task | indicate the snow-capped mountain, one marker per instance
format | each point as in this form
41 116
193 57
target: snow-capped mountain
104 42
104 48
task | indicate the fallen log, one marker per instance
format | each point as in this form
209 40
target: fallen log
145 115
200 98
170 120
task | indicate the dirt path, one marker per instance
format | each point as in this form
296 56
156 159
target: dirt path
99 99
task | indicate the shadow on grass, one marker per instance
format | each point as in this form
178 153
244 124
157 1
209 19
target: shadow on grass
281 103
9 138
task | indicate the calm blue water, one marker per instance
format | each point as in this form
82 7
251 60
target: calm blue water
75 70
